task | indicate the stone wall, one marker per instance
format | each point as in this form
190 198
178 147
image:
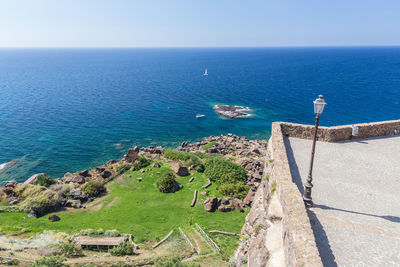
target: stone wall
341 133
299 244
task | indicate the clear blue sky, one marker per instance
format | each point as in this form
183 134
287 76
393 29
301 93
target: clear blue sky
126 23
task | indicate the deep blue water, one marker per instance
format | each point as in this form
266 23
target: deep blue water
65 110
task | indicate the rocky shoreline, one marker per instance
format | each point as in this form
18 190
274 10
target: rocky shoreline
248 153
232 111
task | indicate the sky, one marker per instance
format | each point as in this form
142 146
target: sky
198 23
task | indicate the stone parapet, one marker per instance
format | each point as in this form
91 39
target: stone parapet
298 239
341 133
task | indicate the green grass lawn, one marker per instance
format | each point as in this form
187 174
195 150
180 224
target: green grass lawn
138 208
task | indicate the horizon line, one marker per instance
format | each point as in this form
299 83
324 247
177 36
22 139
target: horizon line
149 47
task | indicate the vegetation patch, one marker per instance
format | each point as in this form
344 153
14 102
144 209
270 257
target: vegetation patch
44 180
93 188
167 183
124 249
208 145
222 171
37 199
141 163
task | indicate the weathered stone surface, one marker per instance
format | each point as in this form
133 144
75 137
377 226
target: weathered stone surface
33 178
179 169
106 174
54 218
110 162
84 173
74 178
250 196
73 203
156 165
210 204
132 155
340 133
77 193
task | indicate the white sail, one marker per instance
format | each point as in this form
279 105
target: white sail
205 73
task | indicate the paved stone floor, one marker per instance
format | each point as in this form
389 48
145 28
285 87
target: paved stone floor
356 195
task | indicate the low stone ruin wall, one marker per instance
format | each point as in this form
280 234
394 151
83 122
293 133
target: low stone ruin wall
299 244
341 133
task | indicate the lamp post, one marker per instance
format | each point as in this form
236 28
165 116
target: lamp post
319 105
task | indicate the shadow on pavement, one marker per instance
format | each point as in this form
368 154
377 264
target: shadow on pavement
386 217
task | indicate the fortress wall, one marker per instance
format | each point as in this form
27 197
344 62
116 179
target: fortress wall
341 133
299 244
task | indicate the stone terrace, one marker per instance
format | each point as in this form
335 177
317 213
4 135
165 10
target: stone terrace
356 195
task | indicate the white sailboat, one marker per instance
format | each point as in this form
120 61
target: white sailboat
200 116
205 73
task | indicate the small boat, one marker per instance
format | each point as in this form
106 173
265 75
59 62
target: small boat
200 116
205 73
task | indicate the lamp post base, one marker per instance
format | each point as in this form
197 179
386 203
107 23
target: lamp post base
308 202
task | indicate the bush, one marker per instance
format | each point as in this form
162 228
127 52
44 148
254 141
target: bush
196 162
208 145
166 182
52 261
37 199
68 249
99 231
124 249
141 163
221 171
173 262
121 168
176 155
44 180
93 188
112 233
237 190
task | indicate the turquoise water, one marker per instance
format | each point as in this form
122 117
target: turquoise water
65 110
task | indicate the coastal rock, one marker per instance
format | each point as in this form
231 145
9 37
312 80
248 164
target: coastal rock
232 111
132 155
156 165
225 205
54 218
110 162
84 173
73 203
12 200
179 169
210 204
74 178
33 178
77 194
106 174
248 200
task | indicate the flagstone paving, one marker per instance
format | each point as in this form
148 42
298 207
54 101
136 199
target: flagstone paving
356 195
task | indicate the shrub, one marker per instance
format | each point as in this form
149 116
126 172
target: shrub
44 180
237 190
37 199
69 249
221 171
93 188
141 163
176 155
173 262
99 231
125 248
196 162
52 261
121 168
112 233
208 145
166 182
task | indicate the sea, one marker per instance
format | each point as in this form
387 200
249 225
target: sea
64 110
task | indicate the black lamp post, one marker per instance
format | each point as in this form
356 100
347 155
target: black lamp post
319 105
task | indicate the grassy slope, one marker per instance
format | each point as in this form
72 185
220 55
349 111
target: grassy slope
138 208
